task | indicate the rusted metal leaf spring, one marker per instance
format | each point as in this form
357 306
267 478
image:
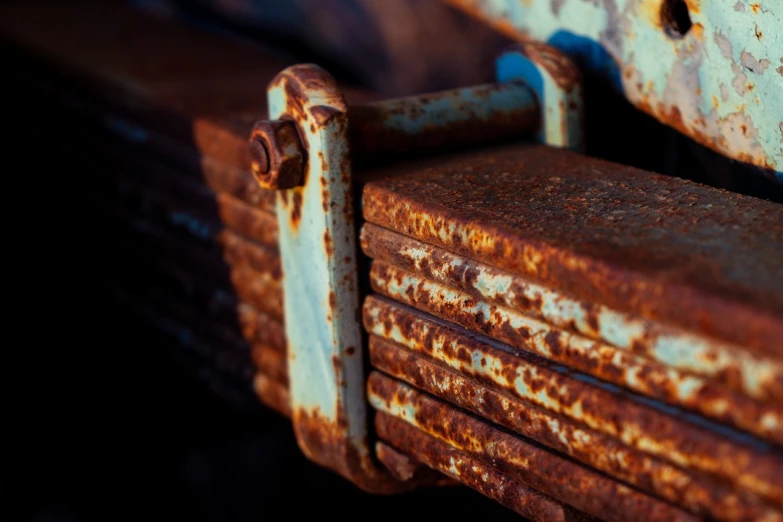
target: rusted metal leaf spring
555 476
591 357
754 375
134 113
657 450
473 472
652 246
236 251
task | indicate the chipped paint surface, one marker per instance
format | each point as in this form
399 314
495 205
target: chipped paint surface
654 448
756 376
559 478
720 83
608 314
318 252
657 247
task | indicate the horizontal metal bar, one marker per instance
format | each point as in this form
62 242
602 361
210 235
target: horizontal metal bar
590 357
553 475
472 472
756 376
654 246
455 118
404 468
693 490
665 434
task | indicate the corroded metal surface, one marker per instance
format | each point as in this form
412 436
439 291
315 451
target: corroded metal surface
640 442
472 472
325 359
660 248
449 119
594 358
712 70
555 476
728 365
557 82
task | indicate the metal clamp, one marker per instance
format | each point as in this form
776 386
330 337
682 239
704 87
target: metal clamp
306 152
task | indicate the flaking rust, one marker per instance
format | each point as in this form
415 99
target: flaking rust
655 447
660 248
589 357
729 365
548 473
474 473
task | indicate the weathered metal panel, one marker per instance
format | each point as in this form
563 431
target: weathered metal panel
472 472
633 439
555 476
694 491
585 355
729 365
660 248
716 77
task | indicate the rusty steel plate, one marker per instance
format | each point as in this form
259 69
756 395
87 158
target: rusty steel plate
704 260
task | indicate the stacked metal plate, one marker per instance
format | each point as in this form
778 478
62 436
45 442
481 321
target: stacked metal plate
152 118
561 333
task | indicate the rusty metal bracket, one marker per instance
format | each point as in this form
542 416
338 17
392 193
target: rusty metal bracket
318 251
557 82
303 152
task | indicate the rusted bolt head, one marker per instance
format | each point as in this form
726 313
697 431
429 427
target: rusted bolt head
276 154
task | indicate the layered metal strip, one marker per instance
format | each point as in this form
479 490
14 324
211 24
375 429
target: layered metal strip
671 455
474 472
603 313
559 478
663 249
712 70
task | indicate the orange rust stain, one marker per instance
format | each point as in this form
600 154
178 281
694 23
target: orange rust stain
714 101
296 208
328 244
693 6
756 8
